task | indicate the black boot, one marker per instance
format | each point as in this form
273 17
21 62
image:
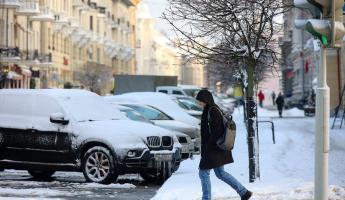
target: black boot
247 195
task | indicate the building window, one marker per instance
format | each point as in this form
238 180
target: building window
53 44
49 40
98 55
80 55
91 23
98 25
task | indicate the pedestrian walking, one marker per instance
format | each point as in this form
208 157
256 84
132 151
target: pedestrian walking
280 104
212 157
273 95
261 98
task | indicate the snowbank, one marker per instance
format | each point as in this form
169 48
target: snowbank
294 112
110 186
287 168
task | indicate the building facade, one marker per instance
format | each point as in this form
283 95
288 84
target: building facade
300 62
155 53
48 43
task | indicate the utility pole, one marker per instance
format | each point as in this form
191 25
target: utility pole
330 31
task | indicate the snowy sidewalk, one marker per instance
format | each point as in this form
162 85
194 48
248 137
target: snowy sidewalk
287 168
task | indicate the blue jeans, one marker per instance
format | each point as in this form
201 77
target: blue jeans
222 175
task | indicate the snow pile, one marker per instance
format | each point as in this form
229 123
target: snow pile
287 168
39 192
294 112
102 186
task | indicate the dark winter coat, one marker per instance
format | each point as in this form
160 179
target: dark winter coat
280 102
211 155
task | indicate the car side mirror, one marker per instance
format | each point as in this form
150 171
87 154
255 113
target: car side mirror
58 118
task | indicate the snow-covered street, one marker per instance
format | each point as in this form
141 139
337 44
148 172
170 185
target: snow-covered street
287 168
20 185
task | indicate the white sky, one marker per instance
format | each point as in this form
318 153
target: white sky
157 7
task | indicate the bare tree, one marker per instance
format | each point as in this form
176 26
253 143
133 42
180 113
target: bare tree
244 30
94 76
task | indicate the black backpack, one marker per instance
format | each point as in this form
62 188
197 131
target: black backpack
226 141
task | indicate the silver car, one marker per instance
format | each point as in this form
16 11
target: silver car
163 120
187 145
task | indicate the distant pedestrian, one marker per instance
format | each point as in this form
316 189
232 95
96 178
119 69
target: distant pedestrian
273 95
261 98
280 104
212 157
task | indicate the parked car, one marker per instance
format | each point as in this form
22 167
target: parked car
50 130
161 119
185 90
190 90
160 101
225 103
186 142
189 104
171 90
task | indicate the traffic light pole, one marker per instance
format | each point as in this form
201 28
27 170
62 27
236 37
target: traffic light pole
322 132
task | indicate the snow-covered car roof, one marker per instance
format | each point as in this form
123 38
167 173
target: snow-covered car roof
189 87
82 105
158 100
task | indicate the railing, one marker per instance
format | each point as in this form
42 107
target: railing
10 52
45 58
45 15
78 3
9 3
272 128
28 7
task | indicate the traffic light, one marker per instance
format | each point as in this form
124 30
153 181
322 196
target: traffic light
330 29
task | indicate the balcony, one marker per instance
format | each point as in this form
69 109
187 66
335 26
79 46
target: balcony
28 7
45 15
8 54
60 22
45 58
78 3
102 9
9 3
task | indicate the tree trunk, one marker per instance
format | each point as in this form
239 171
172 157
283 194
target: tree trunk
251 120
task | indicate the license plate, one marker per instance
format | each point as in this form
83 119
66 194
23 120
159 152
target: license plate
163 157
185 149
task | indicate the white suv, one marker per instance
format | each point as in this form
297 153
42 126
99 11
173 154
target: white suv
44 131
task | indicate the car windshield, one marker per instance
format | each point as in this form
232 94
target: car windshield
190 104
182 105
135 116
90 108
150 113
191 92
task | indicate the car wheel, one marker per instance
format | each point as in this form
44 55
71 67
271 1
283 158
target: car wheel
99 166
177 166
157 175
41 174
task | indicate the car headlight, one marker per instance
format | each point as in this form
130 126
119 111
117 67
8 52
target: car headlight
134 153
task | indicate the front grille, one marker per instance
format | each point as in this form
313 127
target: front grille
154 141
167 141
182 140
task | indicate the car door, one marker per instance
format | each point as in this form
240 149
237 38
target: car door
50 142
15 124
